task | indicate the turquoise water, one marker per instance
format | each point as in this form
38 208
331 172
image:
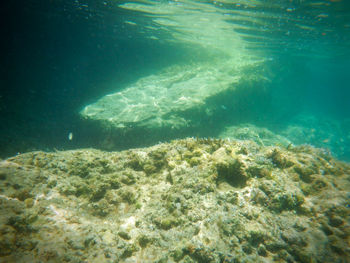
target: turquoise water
292 58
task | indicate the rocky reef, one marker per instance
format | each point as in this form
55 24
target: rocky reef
191 200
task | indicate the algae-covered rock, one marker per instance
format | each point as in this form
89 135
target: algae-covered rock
192 200
7 240
262 136
229 168
280 159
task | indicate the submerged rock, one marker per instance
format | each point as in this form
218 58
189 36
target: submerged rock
192 200
178 97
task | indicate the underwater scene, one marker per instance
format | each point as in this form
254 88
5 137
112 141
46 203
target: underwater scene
182 131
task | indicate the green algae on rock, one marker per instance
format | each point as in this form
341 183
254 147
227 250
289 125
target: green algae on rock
192 200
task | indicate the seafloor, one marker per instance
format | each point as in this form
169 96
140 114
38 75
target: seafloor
193 200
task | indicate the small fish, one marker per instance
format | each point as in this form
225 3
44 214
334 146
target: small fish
130 23
70 136
322 15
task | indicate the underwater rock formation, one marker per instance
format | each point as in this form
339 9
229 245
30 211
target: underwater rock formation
262 136
184 96
175 98
192 200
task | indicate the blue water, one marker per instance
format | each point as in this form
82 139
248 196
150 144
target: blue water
59 56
